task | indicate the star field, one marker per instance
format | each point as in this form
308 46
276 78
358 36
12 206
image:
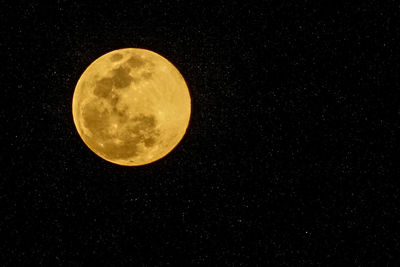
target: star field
289 158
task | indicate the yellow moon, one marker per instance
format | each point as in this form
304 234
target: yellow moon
131 106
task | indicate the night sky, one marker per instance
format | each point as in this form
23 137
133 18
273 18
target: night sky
289 158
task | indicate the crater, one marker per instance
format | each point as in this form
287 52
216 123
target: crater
144 121
136 61
144 127
94 120
113 99
147 75
139 130
149 142
121 77
116 57
124 150
121 114
103 87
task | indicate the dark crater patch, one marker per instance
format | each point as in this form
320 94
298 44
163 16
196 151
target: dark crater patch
121 77
103 87
144 121
125 150
135 61
96 121
149 142
140 129
144 126
116 57
146 75
114 99
121 114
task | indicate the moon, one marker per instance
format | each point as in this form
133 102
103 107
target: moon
131 106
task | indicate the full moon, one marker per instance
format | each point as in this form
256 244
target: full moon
131 106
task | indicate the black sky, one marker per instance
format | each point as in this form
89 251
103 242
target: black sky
289 158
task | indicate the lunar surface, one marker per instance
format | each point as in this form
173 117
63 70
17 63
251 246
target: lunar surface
131 106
